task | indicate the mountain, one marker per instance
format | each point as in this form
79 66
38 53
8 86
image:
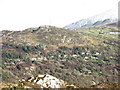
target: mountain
85 57
109 16
114 24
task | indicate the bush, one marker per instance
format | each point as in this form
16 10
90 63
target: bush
63 48
29 49
78 48
12 55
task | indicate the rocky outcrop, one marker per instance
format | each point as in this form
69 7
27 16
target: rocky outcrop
45 81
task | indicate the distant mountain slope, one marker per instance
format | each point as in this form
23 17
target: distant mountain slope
100 19
114 24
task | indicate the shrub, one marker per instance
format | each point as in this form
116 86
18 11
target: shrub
63 48
12 55
78 48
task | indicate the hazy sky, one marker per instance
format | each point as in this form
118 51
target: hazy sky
22 14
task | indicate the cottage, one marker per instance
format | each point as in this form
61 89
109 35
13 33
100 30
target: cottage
97 53
74 55
34 59
83 53
86 57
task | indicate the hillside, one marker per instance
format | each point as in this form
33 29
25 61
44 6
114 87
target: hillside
84 57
